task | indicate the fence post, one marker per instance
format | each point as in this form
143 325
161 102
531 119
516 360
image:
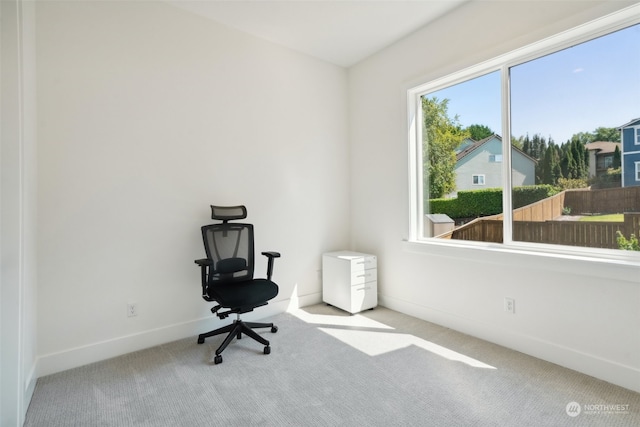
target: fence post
632 223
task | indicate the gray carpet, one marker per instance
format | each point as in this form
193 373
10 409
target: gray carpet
327 368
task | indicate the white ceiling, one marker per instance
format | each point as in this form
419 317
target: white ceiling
342 32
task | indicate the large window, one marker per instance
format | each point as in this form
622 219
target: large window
508 149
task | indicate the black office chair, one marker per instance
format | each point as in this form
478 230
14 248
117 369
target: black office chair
227 276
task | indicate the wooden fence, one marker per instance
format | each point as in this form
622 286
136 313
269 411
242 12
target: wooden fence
577 233
543 210
570 233
609 200
535 223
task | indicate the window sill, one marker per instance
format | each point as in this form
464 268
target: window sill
624 267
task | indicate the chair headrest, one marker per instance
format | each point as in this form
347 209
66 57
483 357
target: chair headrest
226 213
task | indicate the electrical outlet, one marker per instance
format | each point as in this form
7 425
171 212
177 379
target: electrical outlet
510 305
132 310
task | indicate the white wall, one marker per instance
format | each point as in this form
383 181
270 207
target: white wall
580 314
17 211
148 114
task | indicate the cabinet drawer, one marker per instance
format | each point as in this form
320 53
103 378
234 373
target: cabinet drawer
364 297
363 276
363 263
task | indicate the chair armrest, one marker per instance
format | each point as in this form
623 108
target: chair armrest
205 264
271 255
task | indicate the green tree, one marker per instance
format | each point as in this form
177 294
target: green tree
606 134
579 155
600 134
517 142
526 145
442 135
551 165
556 169
568 163
617 159
583 137
571 160
479 132
537 148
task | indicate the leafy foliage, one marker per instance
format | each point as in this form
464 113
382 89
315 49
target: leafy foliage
528 194
442 135
606 134
570 184
599 134
617 158
478 203
549 168
611 179
479 132
565 166
631 244
570 160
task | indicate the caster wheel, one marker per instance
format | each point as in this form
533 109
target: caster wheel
274 329
200 340
267 350
218 359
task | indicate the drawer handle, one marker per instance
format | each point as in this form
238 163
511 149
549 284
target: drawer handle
364 288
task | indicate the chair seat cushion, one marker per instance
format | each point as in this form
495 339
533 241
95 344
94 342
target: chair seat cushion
244 295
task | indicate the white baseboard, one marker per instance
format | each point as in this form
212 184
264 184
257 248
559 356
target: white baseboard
606 370
30 382
72 358
29 386
615 373
310 299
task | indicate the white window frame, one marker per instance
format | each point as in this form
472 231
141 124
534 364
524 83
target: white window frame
480 177
637 171
637 135
600 27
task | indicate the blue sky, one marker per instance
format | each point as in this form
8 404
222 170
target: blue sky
590 85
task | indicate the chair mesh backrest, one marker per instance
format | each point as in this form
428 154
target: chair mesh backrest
230 247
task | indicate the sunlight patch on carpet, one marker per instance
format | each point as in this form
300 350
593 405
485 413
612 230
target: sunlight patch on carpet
375 343
355 320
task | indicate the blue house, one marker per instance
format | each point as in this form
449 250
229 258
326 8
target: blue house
630 138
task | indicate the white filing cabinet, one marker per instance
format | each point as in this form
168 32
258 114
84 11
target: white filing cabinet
350 280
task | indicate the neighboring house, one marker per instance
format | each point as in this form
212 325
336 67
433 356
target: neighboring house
601 155
479 165
630 137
